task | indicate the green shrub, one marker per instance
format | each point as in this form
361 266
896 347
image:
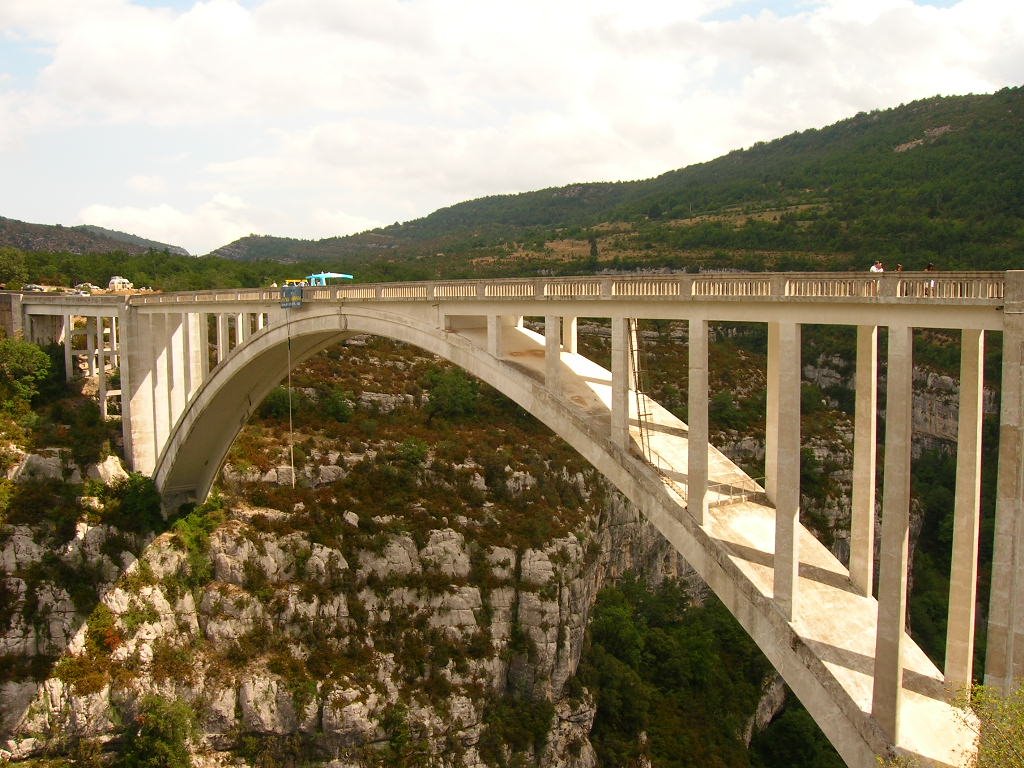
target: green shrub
192 533
23 368
516 725
133 504
454 394
337 405
160 735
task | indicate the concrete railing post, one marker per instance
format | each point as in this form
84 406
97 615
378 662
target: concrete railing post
890 636
862 504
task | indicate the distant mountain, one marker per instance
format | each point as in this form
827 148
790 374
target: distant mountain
47 238
113 234
941 179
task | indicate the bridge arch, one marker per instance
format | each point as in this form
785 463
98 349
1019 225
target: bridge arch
201 438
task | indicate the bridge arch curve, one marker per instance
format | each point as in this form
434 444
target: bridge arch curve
201 438
203 435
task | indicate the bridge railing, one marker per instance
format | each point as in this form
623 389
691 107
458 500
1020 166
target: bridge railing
959 287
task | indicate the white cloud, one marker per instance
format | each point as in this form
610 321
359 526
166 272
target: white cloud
342 114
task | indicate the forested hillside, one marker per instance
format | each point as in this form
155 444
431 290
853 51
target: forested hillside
938 180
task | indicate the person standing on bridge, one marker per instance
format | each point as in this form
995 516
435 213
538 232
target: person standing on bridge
877 267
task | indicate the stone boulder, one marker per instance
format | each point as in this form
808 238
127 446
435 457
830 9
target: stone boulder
109 471
446 554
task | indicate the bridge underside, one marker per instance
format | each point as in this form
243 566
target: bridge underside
826 652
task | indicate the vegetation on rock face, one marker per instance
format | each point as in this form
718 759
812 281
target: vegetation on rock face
159 736
674 682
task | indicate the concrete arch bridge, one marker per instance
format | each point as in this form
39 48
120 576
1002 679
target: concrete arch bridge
194 366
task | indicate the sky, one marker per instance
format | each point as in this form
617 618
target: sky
196 123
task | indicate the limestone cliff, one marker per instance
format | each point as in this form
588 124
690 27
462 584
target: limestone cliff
318 623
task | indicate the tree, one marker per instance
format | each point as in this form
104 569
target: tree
159 738
23 367
13 270
453 394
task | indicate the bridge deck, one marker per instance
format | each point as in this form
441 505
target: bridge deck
832 620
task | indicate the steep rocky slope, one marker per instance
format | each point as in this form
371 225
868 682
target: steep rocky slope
403 586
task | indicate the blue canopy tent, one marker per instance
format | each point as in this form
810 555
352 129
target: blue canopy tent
321 278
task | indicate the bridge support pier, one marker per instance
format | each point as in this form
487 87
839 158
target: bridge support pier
68 328
697 418
1004 655
622 375
862 502
553 353
137 389
887 693
963 576
222 336
782 446
569 336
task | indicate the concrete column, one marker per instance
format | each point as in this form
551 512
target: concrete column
1004 650
241 328
138 389
892 575
963 575
494 336
115 345
198 367
569 335
101 368
697 408
90 346
553 353
787 467
261 321
69 332
161 386
771 416
862 503
222 336
177 367
622 377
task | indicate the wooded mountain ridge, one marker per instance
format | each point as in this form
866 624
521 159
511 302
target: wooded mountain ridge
84 238
937 180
